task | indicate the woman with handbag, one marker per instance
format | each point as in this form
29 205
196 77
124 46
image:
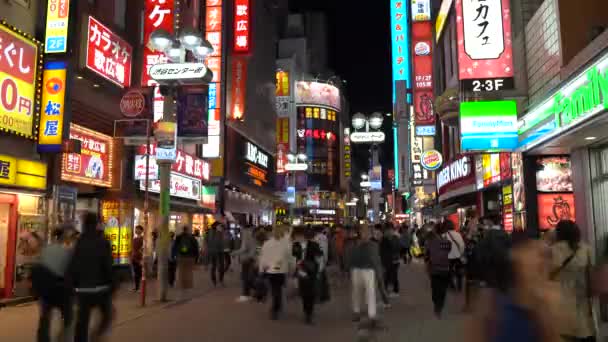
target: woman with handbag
456 255
571 267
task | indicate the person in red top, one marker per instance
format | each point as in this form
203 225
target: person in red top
137 255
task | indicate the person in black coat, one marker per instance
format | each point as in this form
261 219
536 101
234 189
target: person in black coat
308 272
91 274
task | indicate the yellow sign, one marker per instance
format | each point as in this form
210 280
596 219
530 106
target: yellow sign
23 173
18 68
53 106
507 194
442 15
56 34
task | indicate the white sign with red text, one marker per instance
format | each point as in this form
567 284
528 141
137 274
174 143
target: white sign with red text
179 186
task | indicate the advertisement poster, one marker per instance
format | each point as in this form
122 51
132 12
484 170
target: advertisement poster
505 166
120 234
519 193
56 32
554 174
507 209
192 113
316 93
282 143
179 186
18 67
107 54
422 42
553 208
94 163
484 39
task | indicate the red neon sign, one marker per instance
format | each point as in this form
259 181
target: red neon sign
242 28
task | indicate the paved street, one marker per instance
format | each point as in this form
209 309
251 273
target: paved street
213 315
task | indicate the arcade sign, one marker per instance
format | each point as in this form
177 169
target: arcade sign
367 137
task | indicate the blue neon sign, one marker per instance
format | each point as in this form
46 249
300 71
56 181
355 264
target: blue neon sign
400 42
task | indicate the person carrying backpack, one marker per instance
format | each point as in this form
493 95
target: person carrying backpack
438 265
389 254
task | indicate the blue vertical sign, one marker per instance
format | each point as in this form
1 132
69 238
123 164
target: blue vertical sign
400 43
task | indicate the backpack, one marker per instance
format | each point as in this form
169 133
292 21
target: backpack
185 247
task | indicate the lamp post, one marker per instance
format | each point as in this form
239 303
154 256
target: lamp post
175 49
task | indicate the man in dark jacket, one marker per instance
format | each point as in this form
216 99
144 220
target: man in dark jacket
137 257
214 243
389 254
91 274
186 249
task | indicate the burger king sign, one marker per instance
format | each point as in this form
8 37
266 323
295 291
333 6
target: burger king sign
431 160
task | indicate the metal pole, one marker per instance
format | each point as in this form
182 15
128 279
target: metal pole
146 215
163 250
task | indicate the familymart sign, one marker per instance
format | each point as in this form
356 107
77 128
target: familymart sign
580 99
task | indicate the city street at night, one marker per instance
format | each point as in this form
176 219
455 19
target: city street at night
213 315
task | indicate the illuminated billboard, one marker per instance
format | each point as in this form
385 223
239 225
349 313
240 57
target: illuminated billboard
317 94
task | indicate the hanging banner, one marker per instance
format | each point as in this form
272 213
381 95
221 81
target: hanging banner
52 115
400 41
213 33
239 88
422 40
192 114
485 56
94 163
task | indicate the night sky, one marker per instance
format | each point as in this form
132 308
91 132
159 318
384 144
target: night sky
359 52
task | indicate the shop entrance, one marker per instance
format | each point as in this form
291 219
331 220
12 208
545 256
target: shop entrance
8 222
4 227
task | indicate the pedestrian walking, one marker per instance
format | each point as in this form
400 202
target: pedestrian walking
456 255
137 257
199 239
376 238
364 267
246 253
571 266
390 255
49 283
340 238
228 248
438 266
307 272
214 245
323 290
186 249
522 305
172 260
406 244
91 273
274 263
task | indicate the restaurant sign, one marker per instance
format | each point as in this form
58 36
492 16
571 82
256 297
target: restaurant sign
580 99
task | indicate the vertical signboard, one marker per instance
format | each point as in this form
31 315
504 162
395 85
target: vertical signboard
421 10
282 143
157 15
56 32
242 28
52 113
213 33
422 37
484 44
400 41
239 88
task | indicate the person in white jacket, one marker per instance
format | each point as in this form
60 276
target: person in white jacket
274 263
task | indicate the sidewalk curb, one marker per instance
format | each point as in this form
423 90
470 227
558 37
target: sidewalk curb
16 301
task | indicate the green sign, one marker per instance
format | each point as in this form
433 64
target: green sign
581 98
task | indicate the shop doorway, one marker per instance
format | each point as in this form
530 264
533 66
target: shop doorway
8 222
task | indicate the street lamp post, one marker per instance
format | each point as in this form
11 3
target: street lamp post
175 48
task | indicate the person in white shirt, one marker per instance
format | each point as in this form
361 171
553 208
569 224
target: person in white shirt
274 263
456 254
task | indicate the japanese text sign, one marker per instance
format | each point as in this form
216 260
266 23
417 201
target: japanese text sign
108 55
23 173
179 186
52 113
57 19
242 26
282 143
239 88
484 39
400 40
421 10
213 33
94 163
185 164
422 37
18 66
158 14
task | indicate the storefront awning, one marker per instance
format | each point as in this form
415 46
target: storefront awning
463 190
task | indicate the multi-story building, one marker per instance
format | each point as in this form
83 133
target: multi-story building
311 108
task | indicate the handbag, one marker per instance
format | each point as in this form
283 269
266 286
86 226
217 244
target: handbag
463 258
